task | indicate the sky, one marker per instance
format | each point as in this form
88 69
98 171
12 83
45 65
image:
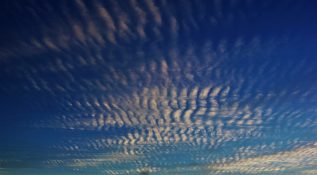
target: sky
107 87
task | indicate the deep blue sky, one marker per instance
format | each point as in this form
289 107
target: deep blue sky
158 87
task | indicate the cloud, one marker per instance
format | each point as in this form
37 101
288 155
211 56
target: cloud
288 160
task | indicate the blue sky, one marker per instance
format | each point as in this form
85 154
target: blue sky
158 87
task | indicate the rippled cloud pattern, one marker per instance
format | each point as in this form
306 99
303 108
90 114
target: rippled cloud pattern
141 87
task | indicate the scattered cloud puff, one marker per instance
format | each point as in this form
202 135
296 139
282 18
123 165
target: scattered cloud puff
282 161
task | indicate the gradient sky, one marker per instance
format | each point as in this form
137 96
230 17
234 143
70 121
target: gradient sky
225 87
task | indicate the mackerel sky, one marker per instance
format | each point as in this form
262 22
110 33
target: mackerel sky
162 87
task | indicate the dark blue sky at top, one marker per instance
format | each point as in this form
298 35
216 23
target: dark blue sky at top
76 78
